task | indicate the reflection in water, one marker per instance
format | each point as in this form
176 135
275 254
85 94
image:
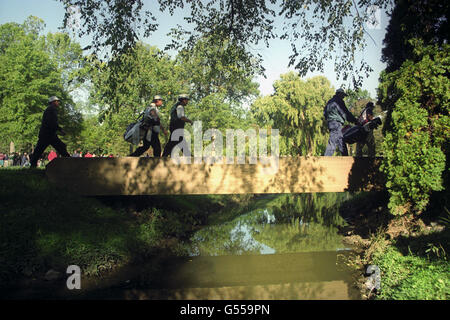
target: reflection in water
336 290
287 224
287 247
298 235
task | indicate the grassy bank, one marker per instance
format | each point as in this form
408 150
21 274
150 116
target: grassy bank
413 268
43 226
411 252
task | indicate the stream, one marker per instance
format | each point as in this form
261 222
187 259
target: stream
286 248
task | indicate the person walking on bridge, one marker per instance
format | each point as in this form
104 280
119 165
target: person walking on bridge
48 133
336 114
152 124
177 121
366 116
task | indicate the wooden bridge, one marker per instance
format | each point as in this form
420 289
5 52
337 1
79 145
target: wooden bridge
151 176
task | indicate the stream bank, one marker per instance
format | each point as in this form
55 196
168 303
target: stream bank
195 247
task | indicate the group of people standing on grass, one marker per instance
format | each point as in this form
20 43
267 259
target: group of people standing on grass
18 159
335 112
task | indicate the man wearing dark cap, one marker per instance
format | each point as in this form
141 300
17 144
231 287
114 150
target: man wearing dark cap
48 133
336 114
177 121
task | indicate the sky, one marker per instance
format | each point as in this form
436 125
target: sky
275 58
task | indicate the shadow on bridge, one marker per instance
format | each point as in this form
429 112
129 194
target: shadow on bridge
149 176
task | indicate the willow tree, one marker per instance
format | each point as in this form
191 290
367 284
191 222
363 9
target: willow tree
296 109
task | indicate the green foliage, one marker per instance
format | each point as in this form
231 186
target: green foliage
410 277
356 101
149 73
445 219
217 103
214 112
68 57
417 98
216 68
44 227
113 25
425 19
296 109
29 74
117 25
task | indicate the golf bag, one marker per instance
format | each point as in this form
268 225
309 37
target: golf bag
359 133
135 131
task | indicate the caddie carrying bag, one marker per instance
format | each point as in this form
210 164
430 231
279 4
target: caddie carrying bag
135 131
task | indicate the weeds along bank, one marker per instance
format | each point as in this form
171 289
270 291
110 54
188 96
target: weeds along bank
414 267
411 252
44 227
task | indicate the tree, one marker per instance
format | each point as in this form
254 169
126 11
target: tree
151 72
69 59
216 92
28 76
357 100
296 109
425 19
320 26
215 68
417 136
414 90
219 85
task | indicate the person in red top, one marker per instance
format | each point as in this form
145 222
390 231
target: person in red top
52 155
88 155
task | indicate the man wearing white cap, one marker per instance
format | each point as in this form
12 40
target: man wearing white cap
152 124
336 114
48 133
177 121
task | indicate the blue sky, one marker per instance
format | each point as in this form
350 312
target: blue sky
275 57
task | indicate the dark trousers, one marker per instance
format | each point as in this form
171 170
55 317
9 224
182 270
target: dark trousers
154 143
171 144
43 143
336 139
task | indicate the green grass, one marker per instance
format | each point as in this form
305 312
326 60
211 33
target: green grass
43 226
414 268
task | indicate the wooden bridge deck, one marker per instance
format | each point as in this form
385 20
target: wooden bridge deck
150 176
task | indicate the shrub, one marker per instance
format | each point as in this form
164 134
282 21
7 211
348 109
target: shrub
417 130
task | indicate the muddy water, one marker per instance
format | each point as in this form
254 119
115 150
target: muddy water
286 248
296 276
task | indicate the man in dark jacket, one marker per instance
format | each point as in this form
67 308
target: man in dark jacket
48 133
336 114
177 121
